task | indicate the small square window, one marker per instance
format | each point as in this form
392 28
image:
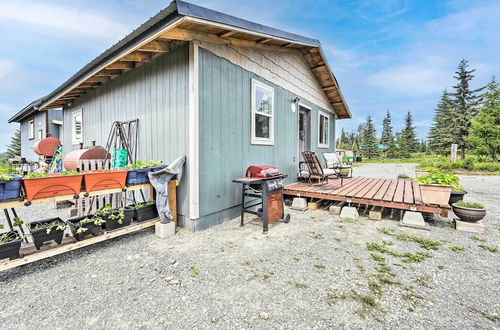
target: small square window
40 134
323 130
262 113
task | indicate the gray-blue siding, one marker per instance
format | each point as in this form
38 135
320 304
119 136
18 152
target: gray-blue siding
157 94
40 123
225 140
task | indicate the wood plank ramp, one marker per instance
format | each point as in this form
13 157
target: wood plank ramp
401 194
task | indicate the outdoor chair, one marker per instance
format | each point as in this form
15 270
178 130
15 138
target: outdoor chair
334 161
316 171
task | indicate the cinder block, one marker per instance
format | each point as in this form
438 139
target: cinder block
314 205
299 204
413 220
164 230
336 208
349 212
376 213
471 227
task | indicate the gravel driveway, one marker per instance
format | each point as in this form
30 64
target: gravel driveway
315 272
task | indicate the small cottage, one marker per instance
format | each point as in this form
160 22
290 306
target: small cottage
224 91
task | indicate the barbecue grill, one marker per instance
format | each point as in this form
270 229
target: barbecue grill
262 195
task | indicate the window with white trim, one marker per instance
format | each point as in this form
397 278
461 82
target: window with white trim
40 134
323 130
31 132
262 113
76 127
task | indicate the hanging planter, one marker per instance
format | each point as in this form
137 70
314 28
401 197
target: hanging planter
104 179
145 211
47 230
115 218
42 185
138 172
10 244
86 225
10 186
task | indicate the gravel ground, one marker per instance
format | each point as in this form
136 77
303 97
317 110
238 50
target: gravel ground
314 272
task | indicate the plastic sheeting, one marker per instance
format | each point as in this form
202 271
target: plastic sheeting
159 180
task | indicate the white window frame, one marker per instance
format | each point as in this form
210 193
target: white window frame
40 134
31 129
327 144
76 140
259 140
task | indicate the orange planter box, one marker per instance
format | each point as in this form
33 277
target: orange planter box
52 185
102 180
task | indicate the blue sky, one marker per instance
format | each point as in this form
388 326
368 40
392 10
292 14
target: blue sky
395 55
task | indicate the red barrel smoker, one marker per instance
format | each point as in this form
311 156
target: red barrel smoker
262 195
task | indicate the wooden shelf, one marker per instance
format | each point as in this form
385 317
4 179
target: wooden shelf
31 254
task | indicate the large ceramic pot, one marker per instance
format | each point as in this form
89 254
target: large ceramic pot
456 196
435 194
419 173
468 214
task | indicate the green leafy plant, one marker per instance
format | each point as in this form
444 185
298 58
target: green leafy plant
403 176
54 225
9 237
489 248
194 271
457 249
377 257
97 220
34 175
140 164
469 205
457 188
17 222
441 178
5 177
112 214
144 204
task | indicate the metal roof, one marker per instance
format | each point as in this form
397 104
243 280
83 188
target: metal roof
176 10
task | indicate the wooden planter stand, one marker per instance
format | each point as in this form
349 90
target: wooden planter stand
30 254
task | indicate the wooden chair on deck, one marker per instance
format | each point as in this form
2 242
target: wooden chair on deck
317 171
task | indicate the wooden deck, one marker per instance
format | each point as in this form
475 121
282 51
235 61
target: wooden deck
401 194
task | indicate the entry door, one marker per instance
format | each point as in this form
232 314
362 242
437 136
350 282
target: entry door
304 131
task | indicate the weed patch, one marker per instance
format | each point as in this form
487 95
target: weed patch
440 267
317 235
301 286
457 249
417 257
320 266
475 238
194 271
489 248
368 303
377 257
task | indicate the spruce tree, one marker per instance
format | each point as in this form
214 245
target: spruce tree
440 136
369 142
386 136
465 102
484 137
408 138
14 147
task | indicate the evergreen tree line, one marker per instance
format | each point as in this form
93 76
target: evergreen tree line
390 145
467 117
14 147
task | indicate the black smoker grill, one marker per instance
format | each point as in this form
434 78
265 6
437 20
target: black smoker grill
262 195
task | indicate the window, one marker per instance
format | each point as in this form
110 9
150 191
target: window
31 129
262 113
40 134
77 135
323 130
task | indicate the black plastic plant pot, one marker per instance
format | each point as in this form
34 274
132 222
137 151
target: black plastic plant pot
10 249
456 196
38 230
146 212
74 225
114 224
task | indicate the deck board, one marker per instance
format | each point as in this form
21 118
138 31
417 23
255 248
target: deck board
391 193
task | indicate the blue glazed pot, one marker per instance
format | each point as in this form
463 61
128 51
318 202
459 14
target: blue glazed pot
11 189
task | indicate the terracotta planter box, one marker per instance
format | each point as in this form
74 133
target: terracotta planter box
435 194
419 173
52 185
103 180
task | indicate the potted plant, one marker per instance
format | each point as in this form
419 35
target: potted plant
10 186
115 218
138 172
457 194
104 179
42 185
423 170
10 244
466 211
86 225
145 211
436 187
47 230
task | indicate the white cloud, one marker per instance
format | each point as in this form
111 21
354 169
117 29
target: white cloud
65 20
